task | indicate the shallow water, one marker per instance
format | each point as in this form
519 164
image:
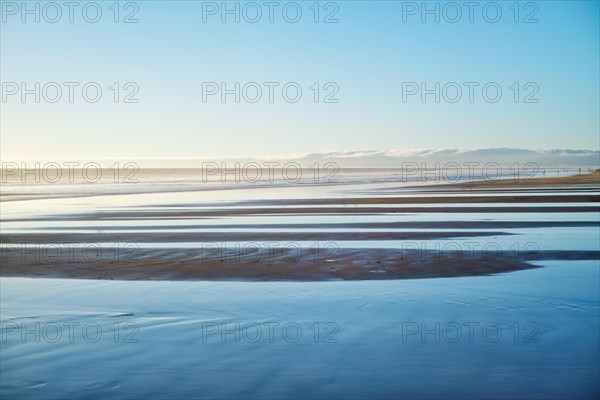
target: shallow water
370 341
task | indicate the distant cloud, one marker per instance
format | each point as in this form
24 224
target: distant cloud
504 156
395 158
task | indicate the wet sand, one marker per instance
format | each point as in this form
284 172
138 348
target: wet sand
277 265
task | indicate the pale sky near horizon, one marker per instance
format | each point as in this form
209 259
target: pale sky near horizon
371 56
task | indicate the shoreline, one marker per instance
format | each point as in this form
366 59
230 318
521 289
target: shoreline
580 179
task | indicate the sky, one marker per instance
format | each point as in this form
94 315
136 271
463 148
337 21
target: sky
362 69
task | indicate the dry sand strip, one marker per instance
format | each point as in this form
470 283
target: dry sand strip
349 225
441 199
592 178
343 264
207 214
214 237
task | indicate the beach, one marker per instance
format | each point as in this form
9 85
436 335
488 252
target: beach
370 232
366 289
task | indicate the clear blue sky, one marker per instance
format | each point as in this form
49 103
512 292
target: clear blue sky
369 53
